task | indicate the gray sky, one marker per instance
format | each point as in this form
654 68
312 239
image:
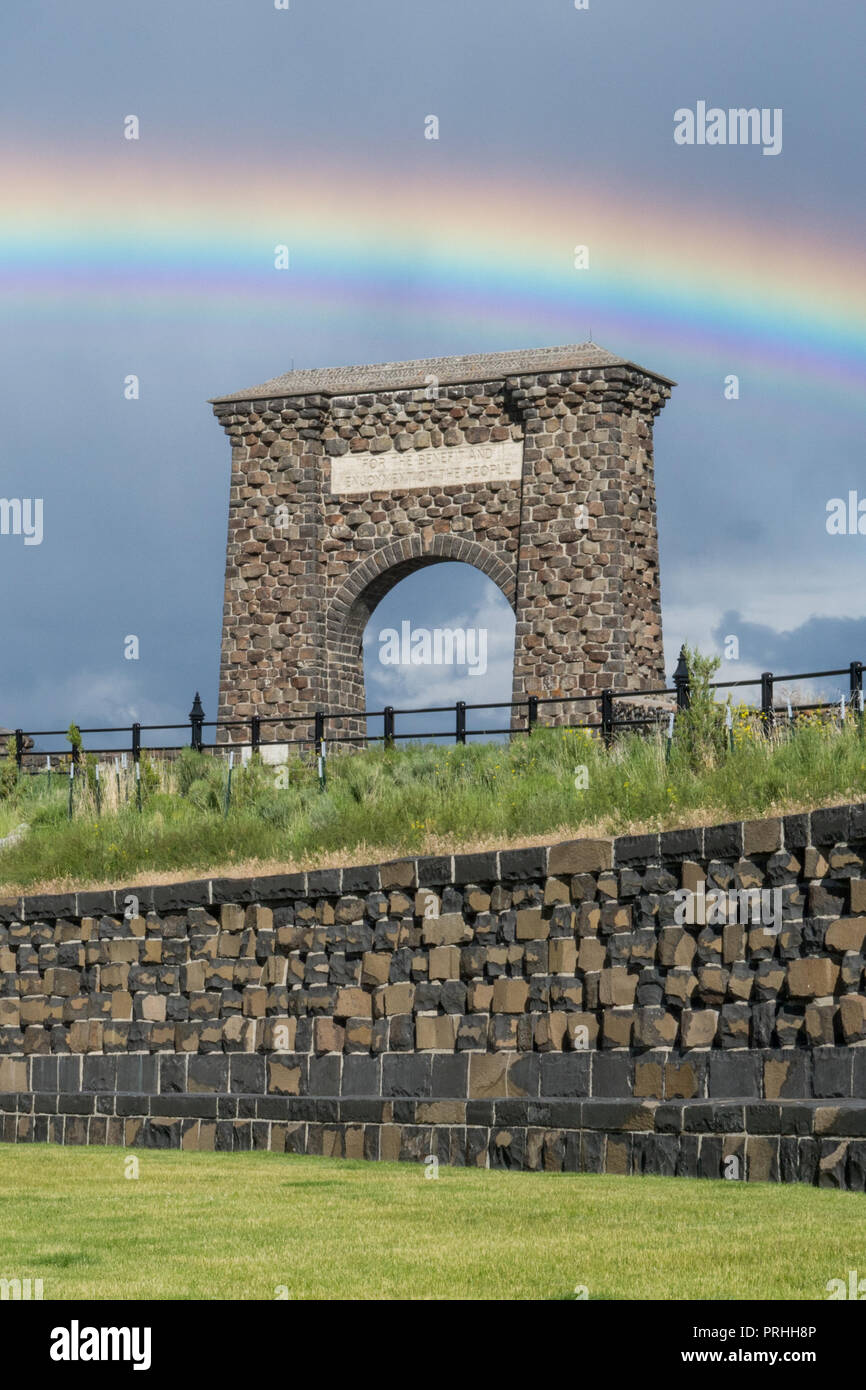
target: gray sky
556 126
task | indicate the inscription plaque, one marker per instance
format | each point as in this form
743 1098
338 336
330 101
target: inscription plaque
501 461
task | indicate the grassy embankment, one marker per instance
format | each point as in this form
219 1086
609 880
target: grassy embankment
378 803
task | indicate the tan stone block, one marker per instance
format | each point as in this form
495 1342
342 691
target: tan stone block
397 999
681 1081
487 1073
13 1074
436 1033
617 986
592 954
33 1009
680 984
258 918
814 864
616 1156
846 934
232 917
580 857
531 926
699 1027
712 983
444 963
775 1076
255 1003
762 837
121 1005
440 1112
820 1024
589 919
691 874
477 900
229 946
375 968
399 873
557 890
653 1027
812 977
479 997
760 1154
62 981
328 1035
676 947
8 964
852 1016
241 1032
510 996
151 950
648 1080
617 1026
276 971
114 976
353 1003
359 1033
389 1143
858 895
85 1035
427 903
284 1078
562 955
193 976
451 929
153 1007
733 943
551 1031
127 951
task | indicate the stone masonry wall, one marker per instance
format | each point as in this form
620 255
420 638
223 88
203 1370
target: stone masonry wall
306 568
535 1007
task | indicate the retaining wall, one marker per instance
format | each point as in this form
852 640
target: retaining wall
534 1008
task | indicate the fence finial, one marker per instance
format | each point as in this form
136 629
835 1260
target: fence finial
681 681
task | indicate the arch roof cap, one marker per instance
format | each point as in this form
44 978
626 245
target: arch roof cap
448 371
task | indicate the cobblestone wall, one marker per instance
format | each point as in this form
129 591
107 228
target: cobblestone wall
536 1007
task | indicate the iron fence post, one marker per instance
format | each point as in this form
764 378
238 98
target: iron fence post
19 749
682 682
607 716
460 712
196 719
532 714
856 682
318 730
255 733
389 726
767 700
136 742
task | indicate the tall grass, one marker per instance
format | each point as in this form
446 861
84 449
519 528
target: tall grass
419 799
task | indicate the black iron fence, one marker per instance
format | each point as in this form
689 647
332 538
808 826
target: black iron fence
603 706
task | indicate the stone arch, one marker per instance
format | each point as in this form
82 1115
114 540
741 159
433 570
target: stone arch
374 577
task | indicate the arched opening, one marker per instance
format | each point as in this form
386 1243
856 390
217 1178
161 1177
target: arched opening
440 634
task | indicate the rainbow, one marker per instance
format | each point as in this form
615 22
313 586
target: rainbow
481 261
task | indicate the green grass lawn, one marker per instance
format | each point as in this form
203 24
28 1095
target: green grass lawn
427 799
239 1226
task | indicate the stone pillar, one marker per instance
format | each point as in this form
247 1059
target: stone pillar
587 604
274 611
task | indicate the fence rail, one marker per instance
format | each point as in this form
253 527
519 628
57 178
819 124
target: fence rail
606 722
